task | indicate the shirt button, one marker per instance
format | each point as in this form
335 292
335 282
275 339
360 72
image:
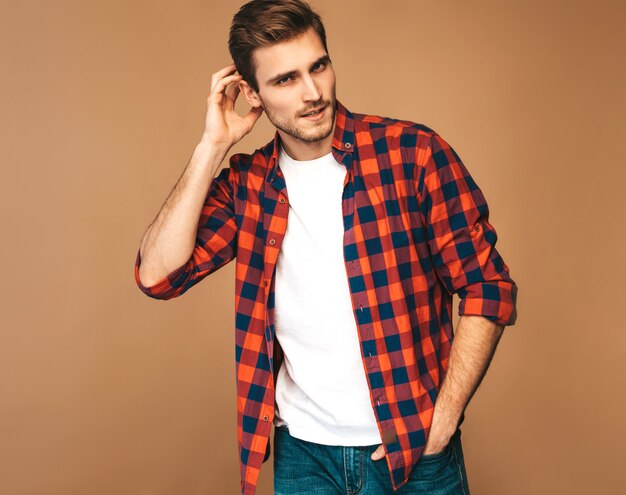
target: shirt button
477 228
348 145
282 200
272 242
266 418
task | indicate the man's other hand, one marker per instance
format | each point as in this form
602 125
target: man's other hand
434 445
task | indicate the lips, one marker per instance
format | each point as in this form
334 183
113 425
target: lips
315 113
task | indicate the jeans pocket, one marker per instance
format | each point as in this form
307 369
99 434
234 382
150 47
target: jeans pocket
446 452
437 455
440 473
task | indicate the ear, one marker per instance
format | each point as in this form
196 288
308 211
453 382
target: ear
249 94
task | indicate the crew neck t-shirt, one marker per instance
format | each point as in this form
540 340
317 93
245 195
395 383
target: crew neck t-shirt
321 389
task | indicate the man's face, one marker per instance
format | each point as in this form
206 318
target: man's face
296 77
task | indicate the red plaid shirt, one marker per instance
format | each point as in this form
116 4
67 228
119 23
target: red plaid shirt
416 231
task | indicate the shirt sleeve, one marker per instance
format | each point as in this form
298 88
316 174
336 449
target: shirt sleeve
215 244
461 239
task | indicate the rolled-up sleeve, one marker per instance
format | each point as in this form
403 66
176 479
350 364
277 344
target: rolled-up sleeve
215 245
461 239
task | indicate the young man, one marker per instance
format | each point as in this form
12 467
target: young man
351 232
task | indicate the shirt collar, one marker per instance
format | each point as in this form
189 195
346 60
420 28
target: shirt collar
342 144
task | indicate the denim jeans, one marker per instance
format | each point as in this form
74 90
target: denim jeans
302 467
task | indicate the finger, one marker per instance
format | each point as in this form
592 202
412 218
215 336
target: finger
231 93
379 453
217 81
220 85
224 71
253 115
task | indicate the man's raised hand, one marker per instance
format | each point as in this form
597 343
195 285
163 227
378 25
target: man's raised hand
223 126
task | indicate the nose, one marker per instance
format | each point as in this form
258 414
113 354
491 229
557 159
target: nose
311 91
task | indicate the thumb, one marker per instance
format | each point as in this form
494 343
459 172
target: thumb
253 115
379 453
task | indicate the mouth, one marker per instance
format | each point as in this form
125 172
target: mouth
315 114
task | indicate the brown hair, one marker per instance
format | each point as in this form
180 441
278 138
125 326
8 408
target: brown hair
264 23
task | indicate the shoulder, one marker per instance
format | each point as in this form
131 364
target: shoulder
255 163
243 161
390 126
409 136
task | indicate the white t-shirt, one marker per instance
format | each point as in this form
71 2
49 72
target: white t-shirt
321 388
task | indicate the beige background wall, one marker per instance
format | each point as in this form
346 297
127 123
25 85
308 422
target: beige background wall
105 391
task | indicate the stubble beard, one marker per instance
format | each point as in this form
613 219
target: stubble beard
291 128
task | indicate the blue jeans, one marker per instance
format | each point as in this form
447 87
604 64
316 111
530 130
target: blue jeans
307 468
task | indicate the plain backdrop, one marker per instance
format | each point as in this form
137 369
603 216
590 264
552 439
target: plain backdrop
106 391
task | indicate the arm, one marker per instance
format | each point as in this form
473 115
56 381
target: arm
194 232
462 246
462 243
170 239
473 347
461 240
210 243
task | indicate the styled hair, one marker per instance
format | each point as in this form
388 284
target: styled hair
262 23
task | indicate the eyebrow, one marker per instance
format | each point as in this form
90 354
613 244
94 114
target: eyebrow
324 59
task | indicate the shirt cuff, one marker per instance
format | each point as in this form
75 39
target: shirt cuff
166 288
496 301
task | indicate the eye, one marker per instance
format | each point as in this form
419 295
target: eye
283 80
320 64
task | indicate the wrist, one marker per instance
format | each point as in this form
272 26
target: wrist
444 425
211 151
208 141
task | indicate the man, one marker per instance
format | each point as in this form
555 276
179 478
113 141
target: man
351 232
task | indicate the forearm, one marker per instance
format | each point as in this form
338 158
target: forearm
170 239
474 344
